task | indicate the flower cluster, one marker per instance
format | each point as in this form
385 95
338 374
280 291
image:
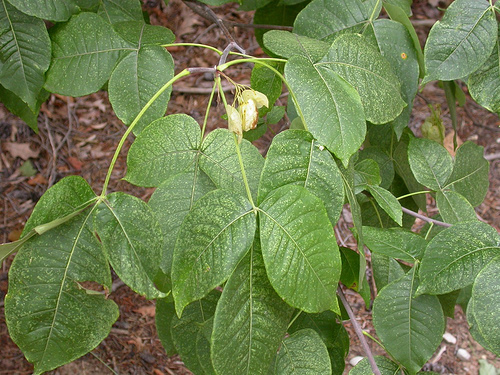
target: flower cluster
245 117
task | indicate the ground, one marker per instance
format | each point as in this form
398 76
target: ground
79 135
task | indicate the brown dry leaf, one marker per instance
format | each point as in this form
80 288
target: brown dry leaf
37 180
14 235
146 311
75 163
20 150
448 143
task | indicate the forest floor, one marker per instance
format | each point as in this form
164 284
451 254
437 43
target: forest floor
79 135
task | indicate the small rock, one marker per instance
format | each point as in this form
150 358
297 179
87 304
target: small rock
463 354
449 338
354 361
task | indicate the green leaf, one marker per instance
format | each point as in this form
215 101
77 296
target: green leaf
19 108
333 334
171 202
404 5
385 164
454 208
275 13
267 82
165 314
189 334
385 270
448 302
24 53
484 303
250 320
331 107
132 238
299 249
470 173
10 247
141 34
213 238
366 172
409 327
387 202
397 47
286 44
403 169
356 60
397 14
395 243
69 195
454 257
453 52
220 162
50 316
275 115
304 353
250 4
135 80
114 11
324 19
167 147
430 162
52 10
348 179
385 365
84 52
484 83
295 158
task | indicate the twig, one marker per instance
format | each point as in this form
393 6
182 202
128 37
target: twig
359 332
52 176
425 218
428 23
207 13
199 90
492 156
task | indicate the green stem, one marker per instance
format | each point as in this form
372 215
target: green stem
205 120
183 73
373 339
277 72
193 45
431 225
221 91
294 319
411 194
243 173
272 59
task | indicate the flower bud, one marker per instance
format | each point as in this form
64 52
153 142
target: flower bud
259 98
249 115
234 121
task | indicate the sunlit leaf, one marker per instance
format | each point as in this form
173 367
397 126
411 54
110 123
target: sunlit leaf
135 80
52 10
24 53
131 235
303 352
456 255
250 320
299 249
84 52
295 158
331 107
409 327
453 52
214 236
324 19
50 316
484 303
430 162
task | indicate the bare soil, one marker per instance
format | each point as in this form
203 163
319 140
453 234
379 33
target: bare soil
79 136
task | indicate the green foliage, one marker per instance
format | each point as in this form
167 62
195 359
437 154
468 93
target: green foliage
239 250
